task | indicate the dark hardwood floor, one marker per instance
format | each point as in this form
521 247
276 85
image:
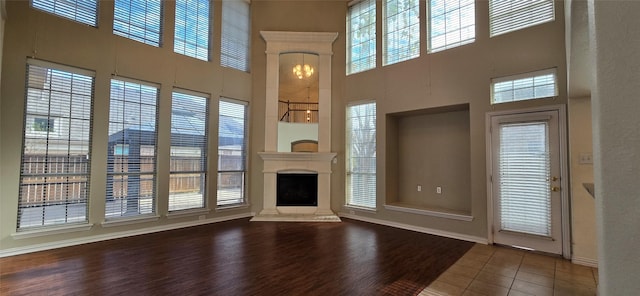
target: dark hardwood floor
240 258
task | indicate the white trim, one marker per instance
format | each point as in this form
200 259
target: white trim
189 92
54 66
433 213
51 231
116 76
526 75
359 208
187 213
464 237
121 234
585 261
129 221
563 158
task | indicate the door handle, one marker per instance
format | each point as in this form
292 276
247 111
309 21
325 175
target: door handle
555 189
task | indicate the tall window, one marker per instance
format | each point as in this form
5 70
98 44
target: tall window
232 152
361 36
192 28
401 40
82 11
188 165
236 31
510 15
533 85
451 23
55 164
131 159
140 20
361 155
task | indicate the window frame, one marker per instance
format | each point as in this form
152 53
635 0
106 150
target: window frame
144 150
229 56
370 60
128 23
402 53
244 155
430 26
187 42
513 79
526 10
59 13
60 169
203 171
349 199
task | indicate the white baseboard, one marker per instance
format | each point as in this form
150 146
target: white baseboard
104 237
585 261
464 237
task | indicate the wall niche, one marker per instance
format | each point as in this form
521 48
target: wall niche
429 149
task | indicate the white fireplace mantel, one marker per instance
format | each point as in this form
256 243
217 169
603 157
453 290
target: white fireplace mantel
320 162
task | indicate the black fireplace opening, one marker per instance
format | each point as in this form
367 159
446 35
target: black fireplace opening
297 190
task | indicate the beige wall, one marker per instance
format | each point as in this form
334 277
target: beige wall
31 33
583 216
456 76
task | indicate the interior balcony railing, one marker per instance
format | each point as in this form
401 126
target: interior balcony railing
298 112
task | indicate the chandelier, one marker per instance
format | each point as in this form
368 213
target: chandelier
302 70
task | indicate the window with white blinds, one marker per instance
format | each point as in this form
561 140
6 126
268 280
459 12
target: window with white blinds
232 152
524 172
131 158
139 20
361 36
451 23
188 163
82 11
510 15
55 165
401 31
192 25
527 86
361 155
236 33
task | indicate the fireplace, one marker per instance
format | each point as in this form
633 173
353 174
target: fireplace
314 205
297 190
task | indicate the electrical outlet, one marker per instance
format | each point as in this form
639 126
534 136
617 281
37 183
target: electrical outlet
201 217
352 212
419 188
438 190
585 158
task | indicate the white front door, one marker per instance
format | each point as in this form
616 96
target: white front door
525 181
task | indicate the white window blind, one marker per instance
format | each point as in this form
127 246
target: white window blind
232 152
55 164
139 20
524 164
131 159
533 85
236 33
82 11
361 36
451 23
510 15
191 36
188 163
361 155
401 31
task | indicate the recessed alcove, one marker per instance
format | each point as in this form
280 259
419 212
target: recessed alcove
429 149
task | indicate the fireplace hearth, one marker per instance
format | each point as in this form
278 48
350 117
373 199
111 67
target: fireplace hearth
297 190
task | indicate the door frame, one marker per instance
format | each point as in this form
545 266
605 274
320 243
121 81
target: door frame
564 171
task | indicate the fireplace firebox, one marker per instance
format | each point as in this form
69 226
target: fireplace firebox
297 189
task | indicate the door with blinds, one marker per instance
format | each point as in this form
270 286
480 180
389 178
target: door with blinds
525 181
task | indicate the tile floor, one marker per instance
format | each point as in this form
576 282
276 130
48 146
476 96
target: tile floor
500 271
